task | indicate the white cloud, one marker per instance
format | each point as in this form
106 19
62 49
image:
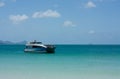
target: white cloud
91 32
18 18
69 23
48 13
2 4
90 4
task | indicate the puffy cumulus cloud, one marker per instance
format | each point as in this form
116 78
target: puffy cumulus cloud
90 4
93 3
18 18
2 4
48 13
69 24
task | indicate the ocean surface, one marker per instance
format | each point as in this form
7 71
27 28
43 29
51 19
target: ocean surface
68 62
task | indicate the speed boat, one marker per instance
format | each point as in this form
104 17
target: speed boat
39 47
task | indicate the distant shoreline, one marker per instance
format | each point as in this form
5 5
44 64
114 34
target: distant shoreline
76 44
24 42
9 42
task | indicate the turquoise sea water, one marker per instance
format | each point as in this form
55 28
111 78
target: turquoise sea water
68 62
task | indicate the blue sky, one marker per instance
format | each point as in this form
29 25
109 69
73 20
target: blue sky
61 21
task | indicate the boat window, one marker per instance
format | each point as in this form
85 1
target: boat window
36 47
39 42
